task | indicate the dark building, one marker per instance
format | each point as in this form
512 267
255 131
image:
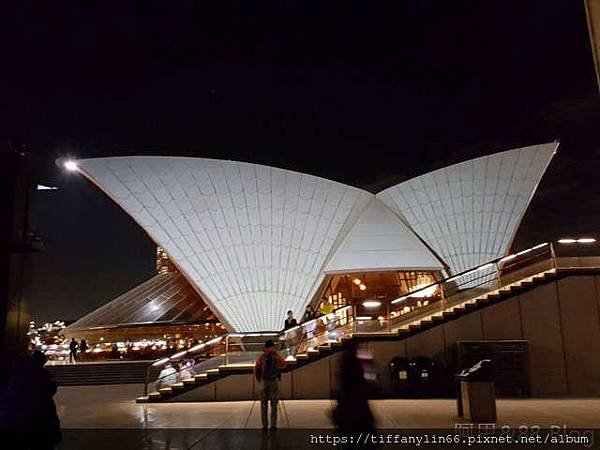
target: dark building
19 243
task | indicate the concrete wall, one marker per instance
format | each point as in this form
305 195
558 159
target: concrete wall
560 320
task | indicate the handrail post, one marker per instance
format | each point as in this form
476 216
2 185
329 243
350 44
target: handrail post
553 256
227 350
442 296
498 277
389 319
354 327
147 380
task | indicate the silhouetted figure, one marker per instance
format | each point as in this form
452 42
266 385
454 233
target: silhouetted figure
267 371
290 322
309 314
73 350
83 347
352 413
32 422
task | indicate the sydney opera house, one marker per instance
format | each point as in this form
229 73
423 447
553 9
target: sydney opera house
240 244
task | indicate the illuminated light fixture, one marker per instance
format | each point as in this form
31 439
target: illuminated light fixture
371 304
363 317
43 187
362 287
71 165
567 241
586 240
357 281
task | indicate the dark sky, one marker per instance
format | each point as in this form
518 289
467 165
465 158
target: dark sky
366 93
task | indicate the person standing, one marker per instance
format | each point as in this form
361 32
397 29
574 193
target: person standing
290 322
291 337
73 351
326 310
83 347
267 371
309 316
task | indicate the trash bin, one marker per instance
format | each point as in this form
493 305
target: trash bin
476 400
399 376
427 378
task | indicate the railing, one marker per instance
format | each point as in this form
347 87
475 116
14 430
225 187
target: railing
493 275
242 349
320 331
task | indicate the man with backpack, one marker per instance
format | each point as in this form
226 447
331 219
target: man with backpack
267 372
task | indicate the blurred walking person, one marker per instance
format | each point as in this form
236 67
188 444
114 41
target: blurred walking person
352 413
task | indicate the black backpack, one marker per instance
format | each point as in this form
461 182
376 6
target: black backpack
269 368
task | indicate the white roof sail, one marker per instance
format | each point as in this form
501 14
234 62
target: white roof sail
252 239
379 241
468 213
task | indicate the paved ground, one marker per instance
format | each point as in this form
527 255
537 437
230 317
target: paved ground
113 407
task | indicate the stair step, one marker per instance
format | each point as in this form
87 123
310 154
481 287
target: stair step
166 390
177 386
301 356
200 377
189 382
142 399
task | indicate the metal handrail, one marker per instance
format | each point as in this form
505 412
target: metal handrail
491 271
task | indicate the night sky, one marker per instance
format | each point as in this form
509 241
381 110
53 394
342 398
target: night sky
365 93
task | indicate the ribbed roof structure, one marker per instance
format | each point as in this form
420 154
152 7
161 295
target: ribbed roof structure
163 299
468 213
256 241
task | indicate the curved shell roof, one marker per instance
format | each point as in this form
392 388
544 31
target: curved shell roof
256 241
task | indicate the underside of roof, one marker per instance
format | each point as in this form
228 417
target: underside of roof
379 241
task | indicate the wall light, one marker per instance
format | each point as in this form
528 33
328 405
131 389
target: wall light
371 304
567 241
362 287
586 240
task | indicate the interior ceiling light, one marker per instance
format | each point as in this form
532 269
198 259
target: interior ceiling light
371 304
357 281
586 240
567 241
362 287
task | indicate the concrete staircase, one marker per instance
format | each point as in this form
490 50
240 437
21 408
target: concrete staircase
118 372
451 312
